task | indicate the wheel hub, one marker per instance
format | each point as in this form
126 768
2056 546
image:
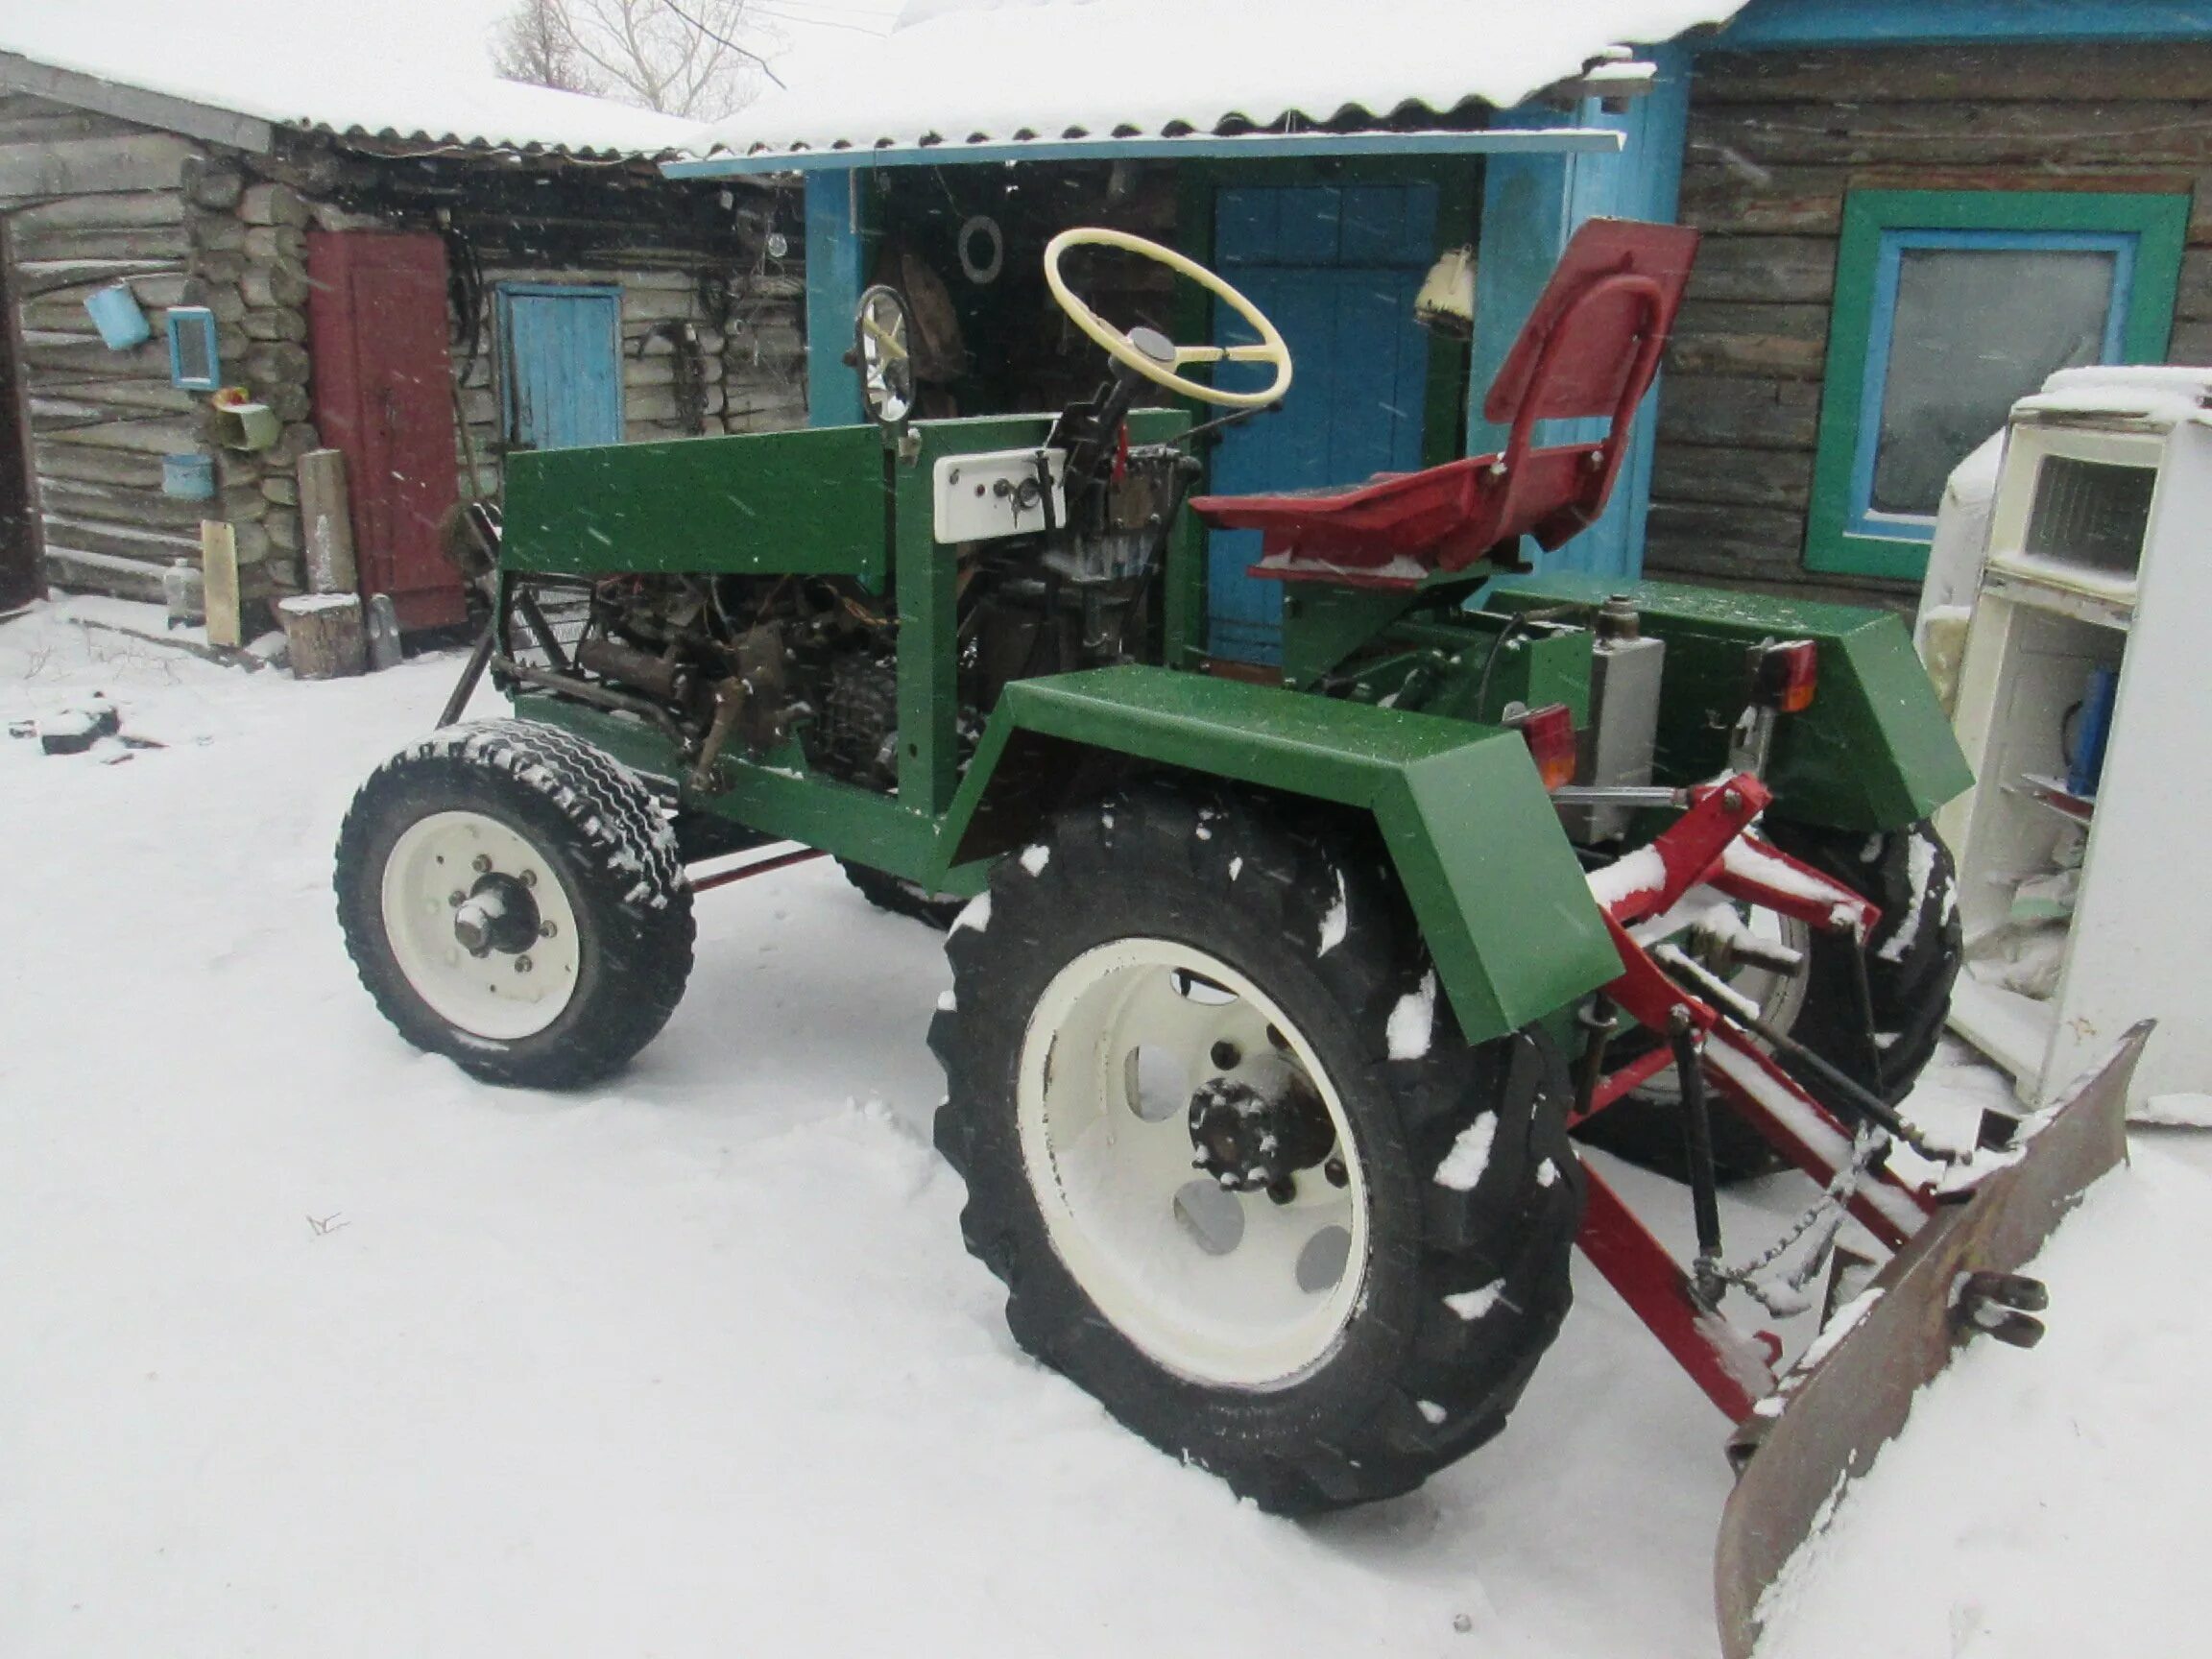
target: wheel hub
480 924
1254 1129
496 914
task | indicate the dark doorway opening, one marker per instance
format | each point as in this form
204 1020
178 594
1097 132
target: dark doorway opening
20 577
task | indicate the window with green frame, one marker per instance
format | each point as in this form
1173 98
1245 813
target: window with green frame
1949 306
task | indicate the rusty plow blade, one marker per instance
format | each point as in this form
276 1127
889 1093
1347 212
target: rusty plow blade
1824 1423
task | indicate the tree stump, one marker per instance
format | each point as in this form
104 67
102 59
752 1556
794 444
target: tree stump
323 633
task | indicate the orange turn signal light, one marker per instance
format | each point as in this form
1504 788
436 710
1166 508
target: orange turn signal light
1549 732
1787 676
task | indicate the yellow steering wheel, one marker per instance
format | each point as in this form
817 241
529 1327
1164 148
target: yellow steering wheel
1270 349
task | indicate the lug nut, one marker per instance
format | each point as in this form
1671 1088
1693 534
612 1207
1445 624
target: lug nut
1336 1172
1283 1192
522 964
1226 1057
546 929
529 877
481 863
455 897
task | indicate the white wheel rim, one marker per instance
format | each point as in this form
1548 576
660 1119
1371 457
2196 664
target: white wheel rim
1101 1053
503 996
1779 997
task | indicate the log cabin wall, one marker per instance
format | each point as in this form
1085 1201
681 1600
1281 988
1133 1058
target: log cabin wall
1776 140
693 263
91 200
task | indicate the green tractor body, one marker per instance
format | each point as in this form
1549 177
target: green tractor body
1470 827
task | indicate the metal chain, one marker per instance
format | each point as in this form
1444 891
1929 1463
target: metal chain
1867 1146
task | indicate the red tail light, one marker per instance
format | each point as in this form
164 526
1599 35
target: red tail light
1551 734
1786 675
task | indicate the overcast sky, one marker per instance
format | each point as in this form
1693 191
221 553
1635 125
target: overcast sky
815 27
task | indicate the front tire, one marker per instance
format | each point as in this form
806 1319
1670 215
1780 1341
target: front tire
1330 1341
1911 960
513 900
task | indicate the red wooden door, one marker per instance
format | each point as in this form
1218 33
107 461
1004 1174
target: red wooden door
383 395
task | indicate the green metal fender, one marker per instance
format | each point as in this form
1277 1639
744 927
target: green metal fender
1873 751
1497 889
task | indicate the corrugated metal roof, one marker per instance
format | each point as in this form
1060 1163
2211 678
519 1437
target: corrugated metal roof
1051 70
292 68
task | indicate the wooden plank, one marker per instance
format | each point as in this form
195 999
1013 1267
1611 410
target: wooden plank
2192 343
75 356
134 104
75 461
164 242
1723 192
2075 72
81 503
125 541
1731 476
154 292
136 395
1724 541
219 563
151 436
1723 337
2193 298
49 275
51 125
104 573
142 161
1769 269
2140 135
1755 412
104 211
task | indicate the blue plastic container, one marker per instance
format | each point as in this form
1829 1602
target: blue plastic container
116 314
191 477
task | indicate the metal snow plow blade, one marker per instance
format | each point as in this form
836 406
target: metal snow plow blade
1826 1420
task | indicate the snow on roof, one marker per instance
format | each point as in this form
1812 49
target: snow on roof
2148 396
294 67
973 71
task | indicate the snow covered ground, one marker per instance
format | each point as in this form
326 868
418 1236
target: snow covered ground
313 1346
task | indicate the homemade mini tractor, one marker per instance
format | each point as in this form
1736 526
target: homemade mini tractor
1274 1005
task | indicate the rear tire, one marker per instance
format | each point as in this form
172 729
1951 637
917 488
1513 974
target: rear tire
1355 1387
592 928
902 897
1911 960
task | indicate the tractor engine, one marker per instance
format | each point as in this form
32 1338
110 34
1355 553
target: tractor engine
748 664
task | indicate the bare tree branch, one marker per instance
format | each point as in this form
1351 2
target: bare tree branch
683 59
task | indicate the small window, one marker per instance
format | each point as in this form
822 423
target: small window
193 361
1949 308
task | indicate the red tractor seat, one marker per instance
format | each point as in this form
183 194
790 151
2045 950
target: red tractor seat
1590 347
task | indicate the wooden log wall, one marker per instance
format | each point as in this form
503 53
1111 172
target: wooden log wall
91 201
1776 140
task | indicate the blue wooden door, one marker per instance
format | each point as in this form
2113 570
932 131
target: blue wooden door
1336 268
561 349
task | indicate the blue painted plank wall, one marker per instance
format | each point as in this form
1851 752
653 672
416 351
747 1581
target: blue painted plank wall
833 249
1879 22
